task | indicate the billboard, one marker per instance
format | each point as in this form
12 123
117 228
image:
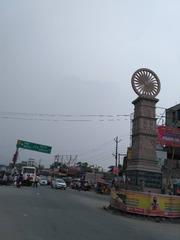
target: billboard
115 170
150 204
168 136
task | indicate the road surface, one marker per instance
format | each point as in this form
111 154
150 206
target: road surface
49 214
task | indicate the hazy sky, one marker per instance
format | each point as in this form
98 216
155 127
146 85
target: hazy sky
77 57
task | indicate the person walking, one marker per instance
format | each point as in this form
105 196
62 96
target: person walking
5 179
36 181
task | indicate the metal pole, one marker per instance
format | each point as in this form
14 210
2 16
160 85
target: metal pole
169 181
116 154
119 156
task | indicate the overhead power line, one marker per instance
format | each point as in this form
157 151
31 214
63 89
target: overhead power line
63 115
59 120
49 117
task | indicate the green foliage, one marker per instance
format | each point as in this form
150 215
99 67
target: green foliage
59 165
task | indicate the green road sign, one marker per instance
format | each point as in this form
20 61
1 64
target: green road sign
33 146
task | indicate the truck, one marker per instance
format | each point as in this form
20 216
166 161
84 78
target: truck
29 174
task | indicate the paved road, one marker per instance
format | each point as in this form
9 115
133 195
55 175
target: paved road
48 214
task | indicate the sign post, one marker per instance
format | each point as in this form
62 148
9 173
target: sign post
33 146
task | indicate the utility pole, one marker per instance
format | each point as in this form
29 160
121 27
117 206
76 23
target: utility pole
169 182
119 158
116 154
39 164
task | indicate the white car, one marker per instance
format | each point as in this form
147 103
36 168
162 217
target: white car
58 183
43 181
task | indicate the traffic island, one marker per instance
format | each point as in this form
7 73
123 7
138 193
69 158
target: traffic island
146 204
143 176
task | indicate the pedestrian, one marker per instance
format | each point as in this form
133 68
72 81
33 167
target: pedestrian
28 180
113 183
15 179
79 185
5 179
19 180
36 181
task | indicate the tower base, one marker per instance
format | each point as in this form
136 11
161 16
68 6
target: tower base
146 180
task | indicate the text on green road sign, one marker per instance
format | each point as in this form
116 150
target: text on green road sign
33 146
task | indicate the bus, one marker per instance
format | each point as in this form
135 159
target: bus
29 174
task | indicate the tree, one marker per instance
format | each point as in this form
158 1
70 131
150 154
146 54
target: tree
84 167
61 166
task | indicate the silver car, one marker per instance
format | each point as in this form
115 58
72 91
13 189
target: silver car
58 183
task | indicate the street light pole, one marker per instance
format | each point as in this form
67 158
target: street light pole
116 154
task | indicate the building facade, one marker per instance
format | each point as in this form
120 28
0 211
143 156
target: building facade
172 164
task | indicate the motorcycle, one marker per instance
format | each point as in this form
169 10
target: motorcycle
18 184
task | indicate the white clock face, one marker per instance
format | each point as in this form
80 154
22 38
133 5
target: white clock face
145 83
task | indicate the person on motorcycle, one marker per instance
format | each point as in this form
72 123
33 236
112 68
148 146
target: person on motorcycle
19 180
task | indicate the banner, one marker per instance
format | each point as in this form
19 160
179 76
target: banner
149 204
168 136
115 170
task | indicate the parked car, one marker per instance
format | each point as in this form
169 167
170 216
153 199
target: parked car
80 185
43 180
67 180
58 183
75 184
